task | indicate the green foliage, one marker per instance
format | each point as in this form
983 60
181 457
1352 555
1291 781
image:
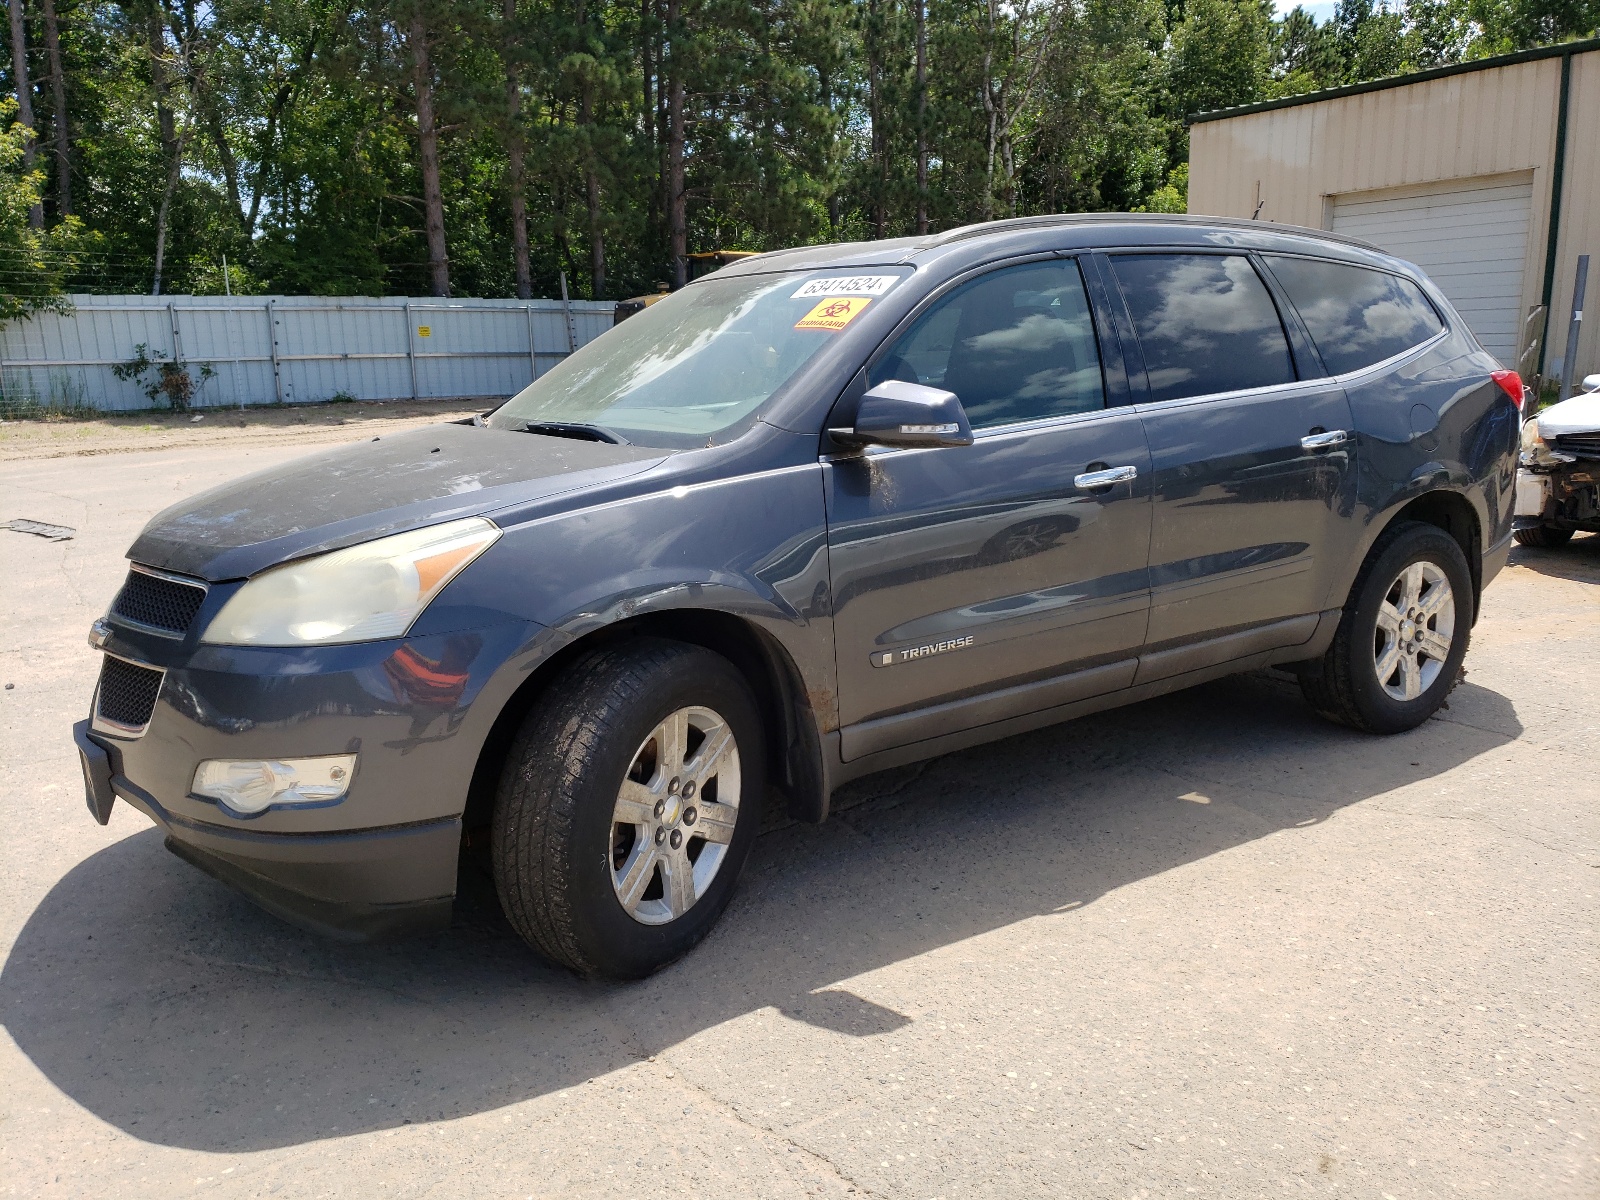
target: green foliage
163 378
294 129
1220 54
34 263
1306 56
1172 196
1513 24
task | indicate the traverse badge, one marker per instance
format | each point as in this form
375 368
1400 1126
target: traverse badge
890 658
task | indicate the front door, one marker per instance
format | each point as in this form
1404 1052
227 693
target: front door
976 583
1253 462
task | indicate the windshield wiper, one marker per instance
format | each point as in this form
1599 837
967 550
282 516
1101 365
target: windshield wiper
577 430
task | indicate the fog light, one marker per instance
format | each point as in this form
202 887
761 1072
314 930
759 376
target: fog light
253 785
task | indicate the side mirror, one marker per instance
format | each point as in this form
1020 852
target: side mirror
907 415
1591 383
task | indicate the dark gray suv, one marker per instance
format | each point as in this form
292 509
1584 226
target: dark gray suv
827 511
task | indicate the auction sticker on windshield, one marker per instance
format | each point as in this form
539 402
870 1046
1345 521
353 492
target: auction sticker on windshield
833 315
845 285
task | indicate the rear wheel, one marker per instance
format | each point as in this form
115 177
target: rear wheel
627 806
1543 536
1402 637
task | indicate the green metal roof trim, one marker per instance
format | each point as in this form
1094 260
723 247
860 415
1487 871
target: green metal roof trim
1378 85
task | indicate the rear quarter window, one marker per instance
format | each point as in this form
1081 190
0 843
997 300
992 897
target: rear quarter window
1355 315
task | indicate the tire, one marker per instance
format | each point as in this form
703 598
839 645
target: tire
1349 685
600 747
1543 536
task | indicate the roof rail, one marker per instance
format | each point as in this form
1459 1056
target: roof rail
964 232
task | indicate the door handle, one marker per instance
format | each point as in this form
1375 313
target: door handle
1324 441
1091 481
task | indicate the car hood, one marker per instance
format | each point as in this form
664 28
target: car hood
357 492
1580 414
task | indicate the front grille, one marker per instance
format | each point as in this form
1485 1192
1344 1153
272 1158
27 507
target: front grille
158 602
1586 444
127 693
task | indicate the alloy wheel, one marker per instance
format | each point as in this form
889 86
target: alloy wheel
675 815
1415 629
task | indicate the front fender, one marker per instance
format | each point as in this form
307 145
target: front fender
753 547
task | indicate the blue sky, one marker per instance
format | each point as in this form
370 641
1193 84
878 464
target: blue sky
1320 11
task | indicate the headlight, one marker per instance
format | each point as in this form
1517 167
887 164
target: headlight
1530 434
359 594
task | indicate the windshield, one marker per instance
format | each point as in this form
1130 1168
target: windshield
700 361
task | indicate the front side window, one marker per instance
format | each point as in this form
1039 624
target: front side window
1014 345
1355 316
701 361
1206 323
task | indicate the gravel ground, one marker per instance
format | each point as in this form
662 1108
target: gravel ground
1204 946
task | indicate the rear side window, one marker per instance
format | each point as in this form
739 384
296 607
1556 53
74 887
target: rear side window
1206 323
1356 316
1014 345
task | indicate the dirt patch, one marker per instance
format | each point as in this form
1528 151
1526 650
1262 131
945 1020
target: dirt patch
311 424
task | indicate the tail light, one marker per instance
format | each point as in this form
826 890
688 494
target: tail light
1511 384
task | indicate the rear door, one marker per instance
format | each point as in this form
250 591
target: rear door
1252 453
980 582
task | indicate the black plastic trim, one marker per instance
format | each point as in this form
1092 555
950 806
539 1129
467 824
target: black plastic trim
353 886
96 762
344 921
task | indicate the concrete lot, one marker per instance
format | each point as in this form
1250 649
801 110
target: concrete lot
301 425
1204 946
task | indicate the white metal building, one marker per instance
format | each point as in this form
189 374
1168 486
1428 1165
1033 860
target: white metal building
1486 175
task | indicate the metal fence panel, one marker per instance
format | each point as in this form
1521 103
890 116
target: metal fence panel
266 349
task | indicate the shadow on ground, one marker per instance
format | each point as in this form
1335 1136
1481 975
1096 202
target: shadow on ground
174 1010
1578 560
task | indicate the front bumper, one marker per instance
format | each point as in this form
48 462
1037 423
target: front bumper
1559 493
415 712
352 885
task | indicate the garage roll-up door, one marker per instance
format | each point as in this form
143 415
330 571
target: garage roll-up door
1469 235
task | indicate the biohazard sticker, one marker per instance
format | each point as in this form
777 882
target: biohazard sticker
834 315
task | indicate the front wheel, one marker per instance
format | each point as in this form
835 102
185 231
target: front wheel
1402 637
627 806
1543 536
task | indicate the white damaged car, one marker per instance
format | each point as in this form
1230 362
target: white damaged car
1558 481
